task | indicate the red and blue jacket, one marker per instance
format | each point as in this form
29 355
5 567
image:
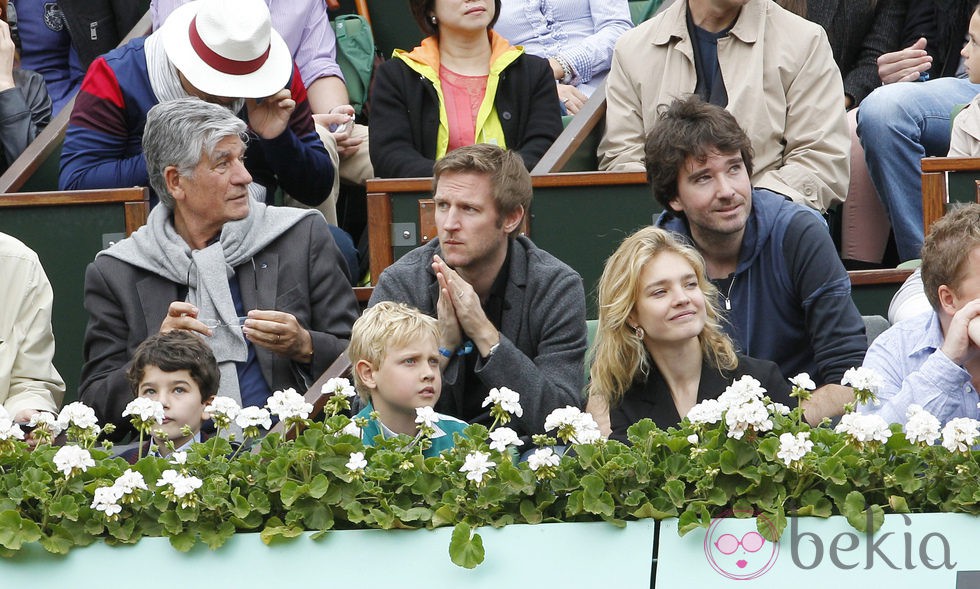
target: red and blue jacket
103 144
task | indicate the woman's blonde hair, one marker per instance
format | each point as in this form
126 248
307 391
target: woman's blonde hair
619 356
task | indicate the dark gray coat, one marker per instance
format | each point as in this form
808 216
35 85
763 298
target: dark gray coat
543 334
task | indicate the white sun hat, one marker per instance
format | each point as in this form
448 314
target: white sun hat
227 48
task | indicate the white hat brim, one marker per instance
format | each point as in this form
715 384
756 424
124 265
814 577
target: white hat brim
265 81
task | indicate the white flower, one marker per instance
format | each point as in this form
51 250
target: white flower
865 383
9 429
743 390
78 414
707 411
181 486
106 500
864 428
288 404
921 426
168 477
506 399
338 386
793 448
573 425
129 481
748 415
223 409
426 416
178 458
43 419
476 465
253 417
70 458
803 381
357 463
692 439
779 408
185 485
960 434
543 457
502 437
351 429
146 410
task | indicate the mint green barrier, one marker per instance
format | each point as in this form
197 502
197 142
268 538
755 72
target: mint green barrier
545 555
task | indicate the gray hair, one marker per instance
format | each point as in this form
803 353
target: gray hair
178 133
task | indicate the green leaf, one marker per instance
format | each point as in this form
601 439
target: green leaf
647 510
183 541
833 469
853 510
273 533
907 478
690 519
16 531
898 504
319 517
466 548
814 503
319 486
215 537
675 490
59 542
290 492
240 507
443 516
530 512
171 522
64 507
771 525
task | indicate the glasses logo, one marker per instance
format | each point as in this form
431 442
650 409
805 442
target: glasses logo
735 549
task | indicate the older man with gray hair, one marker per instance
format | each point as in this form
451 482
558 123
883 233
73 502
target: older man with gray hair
266 286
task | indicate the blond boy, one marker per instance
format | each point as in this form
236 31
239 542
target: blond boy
394 350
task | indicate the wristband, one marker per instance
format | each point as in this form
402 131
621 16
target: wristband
465 349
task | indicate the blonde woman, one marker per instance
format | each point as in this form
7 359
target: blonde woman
659 347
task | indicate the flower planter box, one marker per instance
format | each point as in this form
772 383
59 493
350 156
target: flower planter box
545 555
914 551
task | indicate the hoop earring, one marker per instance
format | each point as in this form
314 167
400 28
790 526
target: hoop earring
640 334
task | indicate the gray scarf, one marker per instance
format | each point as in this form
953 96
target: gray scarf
156 247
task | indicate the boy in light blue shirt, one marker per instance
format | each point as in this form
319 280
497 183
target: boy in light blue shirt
394 351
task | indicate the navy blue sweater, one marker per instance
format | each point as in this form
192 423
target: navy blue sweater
791 297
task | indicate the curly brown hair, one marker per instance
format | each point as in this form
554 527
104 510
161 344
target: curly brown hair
690 127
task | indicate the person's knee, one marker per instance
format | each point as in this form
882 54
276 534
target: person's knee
882 110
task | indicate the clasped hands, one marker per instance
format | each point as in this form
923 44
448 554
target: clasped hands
459 311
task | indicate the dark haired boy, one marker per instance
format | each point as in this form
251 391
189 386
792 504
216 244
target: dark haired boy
178 369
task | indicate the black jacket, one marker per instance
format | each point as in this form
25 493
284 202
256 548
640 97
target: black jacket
651 397
25 110
405 116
